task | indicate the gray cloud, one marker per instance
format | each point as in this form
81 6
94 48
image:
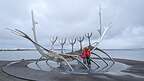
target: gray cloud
74 17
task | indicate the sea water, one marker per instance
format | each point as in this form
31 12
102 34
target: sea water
135 54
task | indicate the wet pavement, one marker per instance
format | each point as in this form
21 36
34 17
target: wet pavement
21 70
6 77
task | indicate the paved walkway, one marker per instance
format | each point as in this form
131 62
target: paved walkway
6 77
20 70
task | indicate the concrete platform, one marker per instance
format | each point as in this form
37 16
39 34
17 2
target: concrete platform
20 70
6 77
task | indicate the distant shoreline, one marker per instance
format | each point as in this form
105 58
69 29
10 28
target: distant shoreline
18 49
33 49
21 49
126 49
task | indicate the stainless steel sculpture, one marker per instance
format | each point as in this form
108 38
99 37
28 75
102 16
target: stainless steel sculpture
57 57
62 57
48 54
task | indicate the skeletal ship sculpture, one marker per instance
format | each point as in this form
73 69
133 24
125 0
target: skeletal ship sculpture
62 57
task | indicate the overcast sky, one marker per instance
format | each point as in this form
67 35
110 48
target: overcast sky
66 18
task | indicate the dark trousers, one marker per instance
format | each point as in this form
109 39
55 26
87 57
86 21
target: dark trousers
87 61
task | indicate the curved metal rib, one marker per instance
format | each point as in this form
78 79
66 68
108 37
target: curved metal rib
22 34
106 54
67 63
100 58
95 63
101 38
38 60
81 63
106 70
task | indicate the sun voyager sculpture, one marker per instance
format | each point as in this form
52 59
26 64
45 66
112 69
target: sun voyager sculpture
64 59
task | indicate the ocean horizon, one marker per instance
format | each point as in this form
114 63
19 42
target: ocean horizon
131 54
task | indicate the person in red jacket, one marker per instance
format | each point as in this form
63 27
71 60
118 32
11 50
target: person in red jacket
86 53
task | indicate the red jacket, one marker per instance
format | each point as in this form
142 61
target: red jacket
85 53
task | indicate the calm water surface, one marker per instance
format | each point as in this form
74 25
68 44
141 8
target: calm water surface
124 54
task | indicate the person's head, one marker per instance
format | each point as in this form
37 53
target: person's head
86 48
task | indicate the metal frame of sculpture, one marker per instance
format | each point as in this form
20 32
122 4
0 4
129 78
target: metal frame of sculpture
72 41
89 35
62 42
53 41
48 54
61 57
102 32
80 40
